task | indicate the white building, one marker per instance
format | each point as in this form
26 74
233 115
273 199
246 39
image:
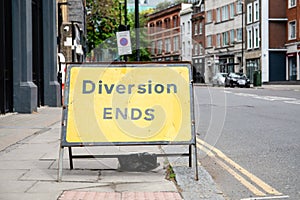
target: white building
224 37
186 32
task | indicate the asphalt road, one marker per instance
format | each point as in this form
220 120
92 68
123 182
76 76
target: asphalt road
249 141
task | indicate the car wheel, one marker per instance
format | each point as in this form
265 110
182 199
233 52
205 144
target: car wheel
231 84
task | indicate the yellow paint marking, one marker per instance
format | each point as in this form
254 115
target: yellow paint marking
242 180
267 188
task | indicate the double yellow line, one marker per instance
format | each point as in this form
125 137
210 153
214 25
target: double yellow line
238 172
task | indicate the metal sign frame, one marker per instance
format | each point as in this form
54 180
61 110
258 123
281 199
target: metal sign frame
64 143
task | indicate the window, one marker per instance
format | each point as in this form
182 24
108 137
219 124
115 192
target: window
159 46
196 29
183 49
202 8
231 36
218 14
225 14
209 41
225 39
231 6
183 28
200 28
176 43
292 3
239 34
249 13
189 27
256 11
239 8
249 38
292 30
218 40
175 21
209 16
167 45
196 49
152 48
200 49
256 37
188 49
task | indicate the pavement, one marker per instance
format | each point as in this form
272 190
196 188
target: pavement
29 151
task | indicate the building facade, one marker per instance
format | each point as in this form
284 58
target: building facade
265 39
71 30
164 33
224 37
198 38
186 33
253 51
293 40
28 66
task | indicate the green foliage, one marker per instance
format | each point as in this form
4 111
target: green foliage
102 21
143 19
165 4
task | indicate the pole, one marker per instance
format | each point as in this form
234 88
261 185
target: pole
125 23
243 41
125 10
137 33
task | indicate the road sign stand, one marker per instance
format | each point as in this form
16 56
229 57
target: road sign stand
66 119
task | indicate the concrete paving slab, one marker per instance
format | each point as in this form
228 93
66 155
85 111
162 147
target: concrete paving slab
27 152
11 136
130 177
68 175
50 136
10 174
50 187
15 186
93 164
165 185
27 164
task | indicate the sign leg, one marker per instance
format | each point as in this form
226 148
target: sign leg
70 157
190 155
196 162
60 164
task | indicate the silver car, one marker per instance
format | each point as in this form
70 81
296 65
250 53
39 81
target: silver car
219 79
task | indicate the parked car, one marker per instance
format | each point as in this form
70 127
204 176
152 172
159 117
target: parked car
219 79
237 79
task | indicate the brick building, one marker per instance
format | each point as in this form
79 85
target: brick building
164 33
265 38
293 40
198 38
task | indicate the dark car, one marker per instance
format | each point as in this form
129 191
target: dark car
237 79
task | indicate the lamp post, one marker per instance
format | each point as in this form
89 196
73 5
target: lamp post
137 30
241 3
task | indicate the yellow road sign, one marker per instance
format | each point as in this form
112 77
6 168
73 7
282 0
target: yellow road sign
129 103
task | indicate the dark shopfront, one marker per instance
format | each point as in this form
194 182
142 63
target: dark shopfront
6 77
226 64
28 64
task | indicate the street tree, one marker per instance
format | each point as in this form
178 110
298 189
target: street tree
102 21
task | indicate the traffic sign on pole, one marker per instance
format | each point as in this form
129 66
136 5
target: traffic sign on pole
124 43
